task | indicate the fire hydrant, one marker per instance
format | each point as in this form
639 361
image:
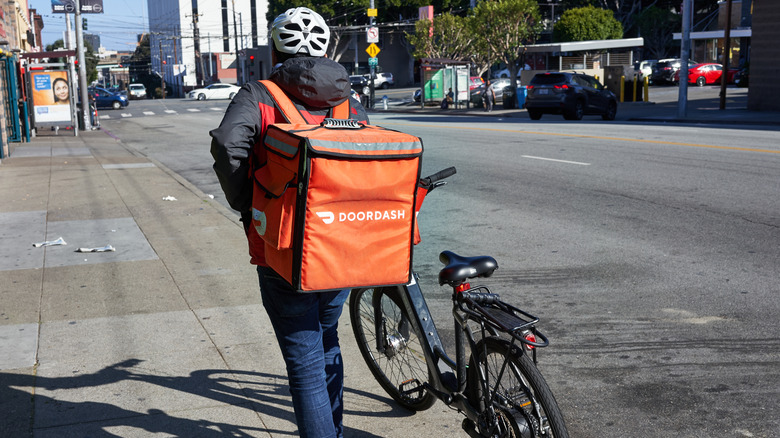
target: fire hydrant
384 102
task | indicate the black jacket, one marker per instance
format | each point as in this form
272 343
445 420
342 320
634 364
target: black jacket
315 85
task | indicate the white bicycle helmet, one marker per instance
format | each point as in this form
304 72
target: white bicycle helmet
300 30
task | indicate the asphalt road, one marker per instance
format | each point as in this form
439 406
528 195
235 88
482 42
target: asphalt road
650 253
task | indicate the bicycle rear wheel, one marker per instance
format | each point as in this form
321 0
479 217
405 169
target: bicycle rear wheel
397 361
523 405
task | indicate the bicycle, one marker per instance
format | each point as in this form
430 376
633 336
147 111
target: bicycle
499 390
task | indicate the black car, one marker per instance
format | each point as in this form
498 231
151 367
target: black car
664 71
570 94
358 83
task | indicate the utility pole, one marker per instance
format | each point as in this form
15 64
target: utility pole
372 69
685 54
726 56
82 68
175 63
235 33
196 38
72 73
162 69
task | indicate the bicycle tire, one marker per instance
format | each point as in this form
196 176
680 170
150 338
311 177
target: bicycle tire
520 372
403 369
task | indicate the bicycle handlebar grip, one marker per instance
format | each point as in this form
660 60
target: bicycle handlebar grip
446 173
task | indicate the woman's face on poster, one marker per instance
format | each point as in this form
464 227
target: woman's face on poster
61 90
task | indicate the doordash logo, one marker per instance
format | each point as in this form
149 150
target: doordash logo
328 217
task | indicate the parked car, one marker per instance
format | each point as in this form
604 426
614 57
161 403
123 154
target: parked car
137 91
499 86
382 80
570 94
645 68
214 91
106 99
475 81
707 73
358 83
664 71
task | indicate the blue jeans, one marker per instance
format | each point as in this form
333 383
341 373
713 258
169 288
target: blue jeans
306 328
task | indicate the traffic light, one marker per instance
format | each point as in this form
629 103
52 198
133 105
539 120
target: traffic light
252 60
83 24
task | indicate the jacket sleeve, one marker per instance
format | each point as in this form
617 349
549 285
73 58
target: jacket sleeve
231 147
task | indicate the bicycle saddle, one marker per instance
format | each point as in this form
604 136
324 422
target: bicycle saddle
458 268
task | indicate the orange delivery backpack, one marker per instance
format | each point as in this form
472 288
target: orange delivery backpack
335 203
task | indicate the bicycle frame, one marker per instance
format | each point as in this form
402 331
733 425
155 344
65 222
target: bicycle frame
451 393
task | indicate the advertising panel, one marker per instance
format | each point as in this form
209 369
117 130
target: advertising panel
51 96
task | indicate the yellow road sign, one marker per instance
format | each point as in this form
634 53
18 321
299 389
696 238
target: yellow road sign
372 50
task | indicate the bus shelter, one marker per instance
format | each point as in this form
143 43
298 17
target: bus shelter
438 76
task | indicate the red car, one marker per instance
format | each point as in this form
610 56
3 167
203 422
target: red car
475 81
707 73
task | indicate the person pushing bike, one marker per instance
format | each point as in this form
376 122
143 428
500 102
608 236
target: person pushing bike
305 323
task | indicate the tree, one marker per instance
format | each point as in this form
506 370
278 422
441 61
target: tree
656 27
504 27
586 24
446 37
90 59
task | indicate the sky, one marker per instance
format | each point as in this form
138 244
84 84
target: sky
118 26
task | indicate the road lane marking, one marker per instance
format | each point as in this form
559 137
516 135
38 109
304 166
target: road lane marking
193 110
105 116
127 115
557 161
596 137
215 109
149 113
170 111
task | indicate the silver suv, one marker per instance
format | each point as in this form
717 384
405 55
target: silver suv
382 80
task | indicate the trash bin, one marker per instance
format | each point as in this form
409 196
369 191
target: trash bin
508 101
522 92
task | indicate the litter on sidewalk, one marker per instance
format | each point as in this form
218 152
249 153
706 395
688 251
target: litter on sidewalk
59 241
107 248
169 198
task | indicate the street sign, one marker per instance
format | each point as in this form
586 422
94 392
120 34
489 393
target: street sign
371 13
373 61
372 50
69 6
372 35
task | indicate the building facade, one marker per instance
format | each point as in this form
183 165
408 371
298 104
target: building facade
197 42
764 92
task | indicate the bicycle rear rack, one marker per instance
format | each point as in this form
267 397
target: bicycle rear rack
485 306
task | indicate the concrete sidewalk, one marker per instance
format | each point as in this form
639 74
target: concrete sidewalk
166 335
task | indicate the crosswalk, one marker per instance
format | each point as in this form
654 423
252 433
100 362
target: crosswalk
125 115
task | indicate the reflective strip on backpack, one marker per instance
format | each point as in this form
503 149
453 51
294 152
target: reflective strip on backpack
281 146
371 148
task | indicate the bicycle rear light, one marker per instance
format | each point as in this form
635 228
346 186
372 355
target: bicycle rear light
530 337
463 287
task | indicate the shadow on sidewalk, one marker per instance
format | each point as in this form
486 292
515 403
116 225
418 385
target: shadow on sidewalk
47 413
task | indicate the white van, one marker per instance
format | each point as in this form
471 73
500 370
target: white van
136 91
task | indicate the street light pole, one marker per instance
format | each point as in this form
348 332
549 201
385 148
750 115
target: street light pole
82 68
235 33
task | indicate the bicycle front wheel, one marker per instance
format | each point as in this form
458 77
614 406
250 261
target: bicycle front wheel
390 345
518 402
